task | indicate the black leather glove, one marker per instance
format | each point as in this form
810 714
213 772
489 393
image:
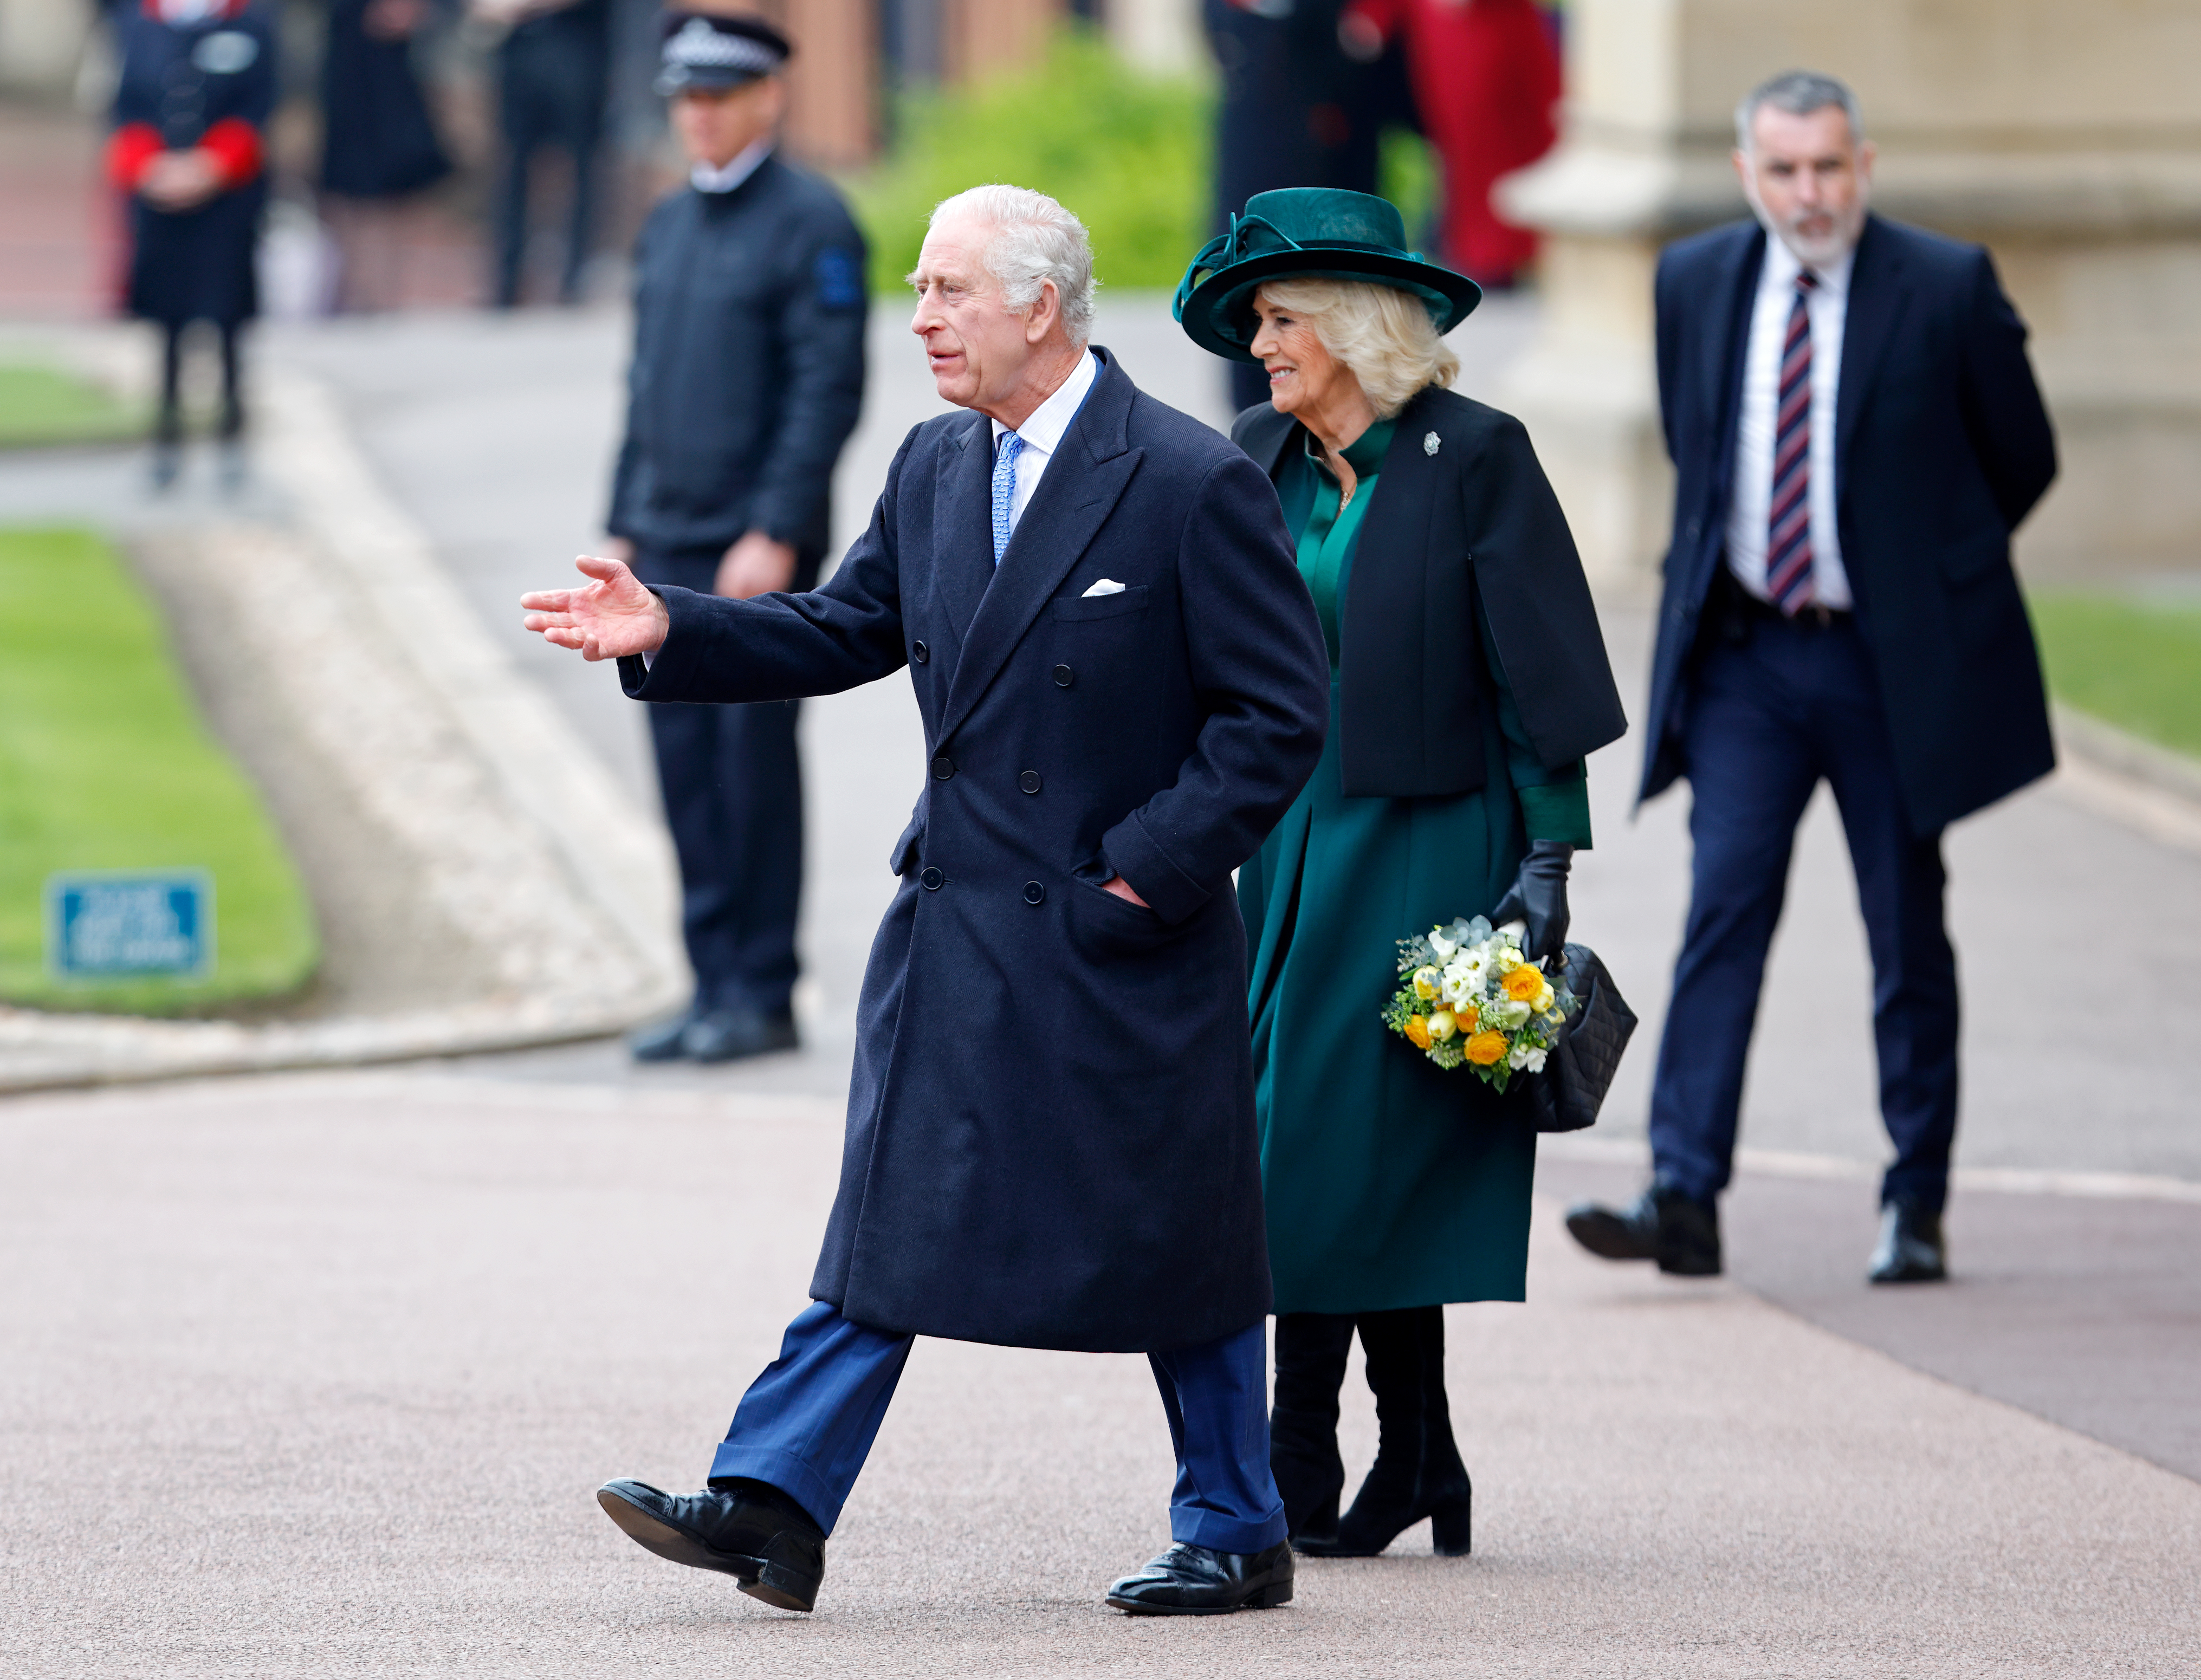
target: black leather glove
1539 898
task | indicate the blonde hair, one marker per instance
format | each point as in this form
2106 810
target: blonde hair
1384 335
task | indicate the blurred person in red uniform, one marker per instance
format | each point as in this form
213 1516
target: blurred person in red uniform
197 88
1486 76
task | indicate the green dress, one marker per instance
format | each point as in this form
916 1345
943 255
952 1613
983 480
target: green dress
1390 1182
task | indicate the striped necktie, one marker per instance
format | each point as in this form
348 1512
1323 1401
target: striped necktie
1788 525
1005 489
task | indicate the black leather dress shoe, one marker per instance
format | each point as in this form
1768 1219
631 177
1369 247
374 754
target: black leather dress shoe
1678 1231
660 1040
747 1530
1189 1580
730 1034
1909 1249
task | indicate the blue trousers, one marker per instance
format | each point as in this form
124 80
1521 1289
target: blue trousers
1767 718
732 779
807 1423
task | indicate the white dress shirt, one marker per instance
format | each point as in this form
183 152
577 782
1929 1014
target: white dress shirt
1042 431
705 179
1827 305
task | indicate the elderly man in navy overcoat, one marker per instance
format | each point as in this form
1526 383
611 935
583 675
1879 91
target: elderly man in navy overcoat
1855 433
1051 1138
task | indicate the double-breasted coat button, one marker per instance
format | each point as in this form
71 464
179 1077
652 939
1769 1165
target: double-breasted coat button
943 767
932 881
1035 893
919 652
1064 676
1028 782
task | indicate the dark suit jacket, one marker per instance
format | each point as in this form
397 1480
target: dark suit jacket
1941 447
1051 1139
1471 522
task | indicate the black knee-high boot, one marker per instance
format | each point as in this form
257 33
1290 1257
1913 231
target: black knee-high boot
1311 1352
1418 1471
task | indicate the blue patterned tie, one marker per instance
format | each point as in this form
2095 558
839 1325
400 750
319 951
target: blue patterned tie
1788 525
1005 489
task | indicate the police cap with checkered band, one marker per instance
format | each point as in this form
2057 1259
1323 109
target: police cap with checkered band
715 50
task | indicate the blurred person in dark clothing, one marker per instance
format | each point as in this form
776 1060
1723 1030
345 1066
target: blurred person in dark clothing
748 377
553 79
378 144
1294 112
1855 433
1486 78
197 88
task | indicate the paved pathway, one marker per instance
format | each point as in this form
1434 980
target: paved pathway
315 1375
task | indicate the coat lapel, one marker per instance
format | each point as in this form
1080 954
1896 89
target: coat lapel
1724 351
963 534
1879 291
1263 434
1075 497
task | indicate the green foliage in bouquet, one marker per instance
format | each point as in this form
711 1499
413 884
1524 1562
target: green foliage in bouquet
1472 1000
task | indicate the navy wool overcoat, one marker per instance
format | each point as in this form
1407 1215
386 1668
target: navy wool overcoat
1051 1139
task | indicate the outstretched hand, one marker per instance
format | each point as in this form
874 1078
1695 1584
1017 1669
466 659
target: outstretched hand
608 619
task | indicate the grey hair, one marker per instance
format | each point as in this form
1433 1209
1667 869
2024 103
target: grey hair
1035 240
1799 93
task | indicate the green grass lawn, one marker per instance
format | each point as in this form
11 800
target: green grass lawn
106 764
46 405
2130 661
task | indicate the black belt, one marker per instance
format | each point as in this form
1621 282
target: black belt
1738 611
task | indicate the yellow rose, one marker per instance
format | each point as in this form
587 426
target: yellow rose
1426 981
1442 1025
1485 1048
1522 984
1468 1016
1417 1031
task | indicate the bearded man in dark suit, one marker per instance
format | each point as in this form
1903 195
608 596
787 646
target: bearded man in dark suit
1051 1138
1855 433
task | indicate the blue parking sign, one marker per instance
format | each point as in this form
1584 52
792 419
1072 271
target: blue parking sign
115 924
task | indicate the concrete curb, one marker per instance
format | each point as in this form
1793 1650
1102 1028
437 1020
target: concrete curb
505 818
2129 781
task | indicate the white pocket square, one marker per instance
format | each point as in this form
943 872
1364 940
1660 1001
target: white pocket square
1107 586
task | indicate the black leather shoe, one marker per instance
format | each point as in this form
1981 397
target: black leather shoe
748 1530
660 1041
1189 1580
1909 1249
1678 1231
730 1034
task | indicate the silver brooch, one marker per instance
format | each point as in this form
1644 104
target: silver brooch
1430 444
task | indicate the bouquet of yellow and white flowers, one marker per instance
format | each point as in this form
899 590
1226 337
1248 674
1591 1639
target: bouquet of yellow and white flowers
1471 1000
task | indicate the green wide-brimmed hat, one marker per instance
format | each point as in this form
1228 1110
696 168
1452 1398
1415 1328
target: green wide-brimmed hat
1323 232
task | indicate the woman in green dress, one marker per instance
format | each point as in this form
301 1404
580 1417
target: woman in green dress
1468 683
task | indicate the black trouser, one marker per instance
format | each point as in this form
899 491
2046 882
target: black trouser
1774 707
732 779
169 426
550 93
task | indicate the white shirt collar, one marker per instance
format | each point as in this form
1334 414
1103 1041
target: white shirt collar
705 179
1044 427
1783 265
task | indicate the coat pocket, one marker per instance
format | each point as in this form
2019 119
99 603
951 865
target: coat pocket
1072 609
904 855
1104 928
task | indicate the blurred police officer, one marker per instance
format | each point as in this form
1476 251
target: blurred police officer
748 375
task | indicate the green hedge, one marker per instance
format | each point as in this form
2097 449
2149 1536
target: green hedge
105 764
1127 153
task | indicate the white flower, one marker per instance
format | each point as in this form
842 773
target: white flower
1526 1058
1443 946
1505 1015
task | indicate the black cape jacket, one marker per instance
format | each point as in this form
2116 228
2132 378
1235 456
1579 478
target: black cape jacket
1941 447
1462 510
1051 1139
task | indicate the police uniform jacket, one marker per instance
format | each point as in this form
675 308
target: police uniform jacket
1941 447
1051 1136
748 365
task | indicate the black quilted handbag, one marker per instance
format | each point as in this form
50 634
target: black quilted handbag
1577 1073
